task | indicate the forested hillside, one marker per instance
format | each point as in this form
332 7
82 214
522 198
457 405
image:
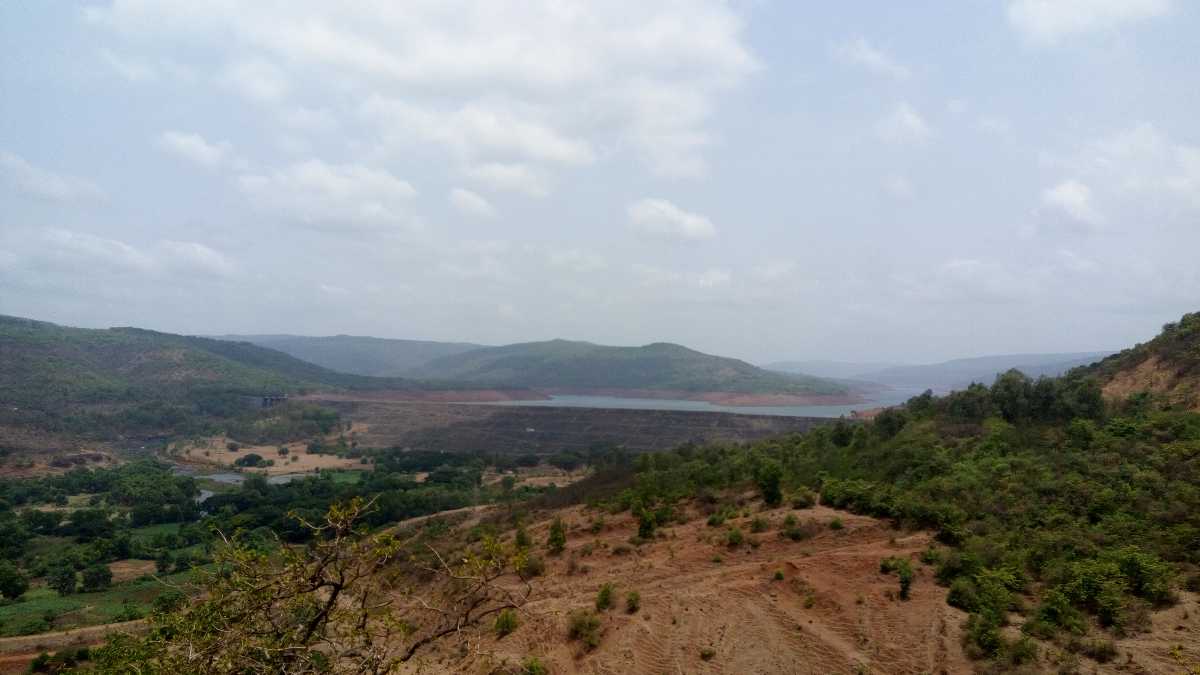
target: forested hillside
663 366
105 383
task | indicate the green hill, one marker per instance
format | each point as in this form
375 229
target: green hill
50 367
370 356
1167 367
583 365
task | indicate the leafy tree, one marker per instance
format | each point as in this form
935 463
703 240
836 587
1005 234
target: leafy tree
96 578
557 539
62 579
305 609
768 475
13 582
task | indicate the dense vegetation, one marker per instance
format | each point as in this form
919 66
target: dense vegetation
562 363
60 534
121 381
1045 501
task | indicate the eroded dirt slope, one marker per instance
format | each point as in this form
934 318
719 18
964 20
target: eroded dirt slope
832 612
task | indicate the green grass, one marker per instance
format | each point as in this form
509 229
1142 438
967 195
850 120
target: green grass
345 477
82 609
149 531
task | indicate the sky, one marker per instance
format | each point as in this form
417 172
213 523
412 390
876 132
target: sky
770 180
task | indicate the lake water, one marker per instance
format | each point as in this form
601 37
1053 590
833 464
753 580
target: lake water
891 397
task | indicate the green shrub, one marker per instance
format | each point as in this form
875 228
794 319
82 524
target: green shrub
556 541
903 569
633 602
778 575
584 625
1020 651
759 524
533 666
506 622
734 537
604 598
804 499
530 565
836 524
707 654
1056 610
1097 649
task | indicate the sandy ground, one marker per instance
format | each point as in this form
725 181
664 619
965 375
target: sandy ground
537 476
832 613
124 570
214 452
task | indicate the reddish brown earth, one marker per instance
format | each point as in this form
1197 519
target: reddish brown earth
833 612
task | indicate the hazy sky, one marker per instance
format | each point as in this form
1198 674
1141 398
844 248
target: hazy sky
881 181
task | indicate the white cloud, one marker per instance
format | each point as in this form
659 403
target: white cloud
194 257
662 219
332 195
970 281
655 277
775 270
1075 200
898 186
993 124
1143 165
1049 21
130 69
861 53
576 260
257 80
562 80
65 251
510 178
194 148
904 125
311 120
44 183
713 277
470 203
476 130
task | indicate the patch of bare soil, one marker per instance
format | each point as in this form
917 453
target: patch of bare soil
215 451
125 570
537 476
1154 376
1171 646
709 608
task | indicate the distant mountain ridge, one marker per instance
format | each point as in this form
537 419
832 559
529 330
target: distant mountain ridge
958 373
947 375
568 364
359 355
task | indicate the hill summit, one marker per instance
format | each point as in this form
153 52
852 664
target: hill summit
584 366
